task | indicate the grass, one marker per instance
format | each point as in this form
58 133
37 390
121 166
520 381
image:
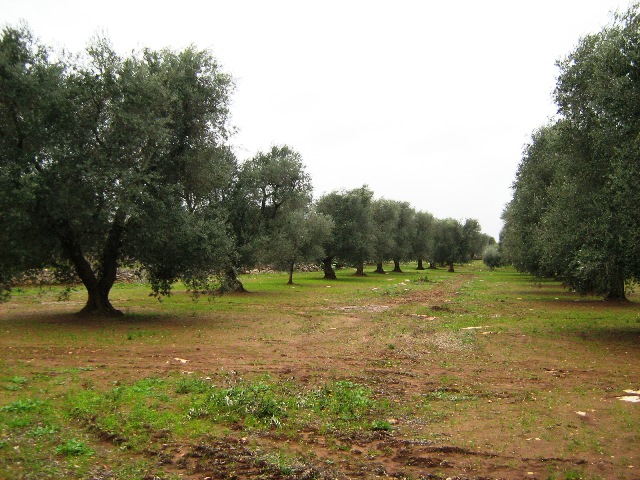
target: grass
293 379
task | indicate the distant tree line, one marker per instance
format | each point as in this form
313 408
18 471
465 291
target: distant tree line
575 212
106 161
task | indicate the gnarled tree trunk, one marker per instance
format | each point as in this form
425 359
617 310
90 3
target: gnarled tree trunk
98 286
396 265
98 302
360 270
420 265
232 284
379 268
329 272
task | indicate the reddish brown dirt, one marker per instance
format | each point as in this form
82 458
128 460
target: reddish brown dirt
488 438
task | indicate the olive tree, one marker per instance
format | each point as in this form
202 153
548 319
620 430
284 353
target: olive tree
105 159
297 236
269 187
449 243
491 257
354 235
385 217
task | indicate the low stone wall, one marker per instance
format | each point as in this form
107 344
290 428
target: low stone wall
135 275
47 277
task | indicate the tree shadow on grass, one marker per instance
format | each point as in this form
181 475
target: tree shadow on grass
627 337
73 320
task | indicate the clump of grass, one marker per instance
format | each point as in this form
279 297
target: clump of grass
381 426
129 415
343 399
23 406
257 404
15 383
43 431
133 415
192 385
73 448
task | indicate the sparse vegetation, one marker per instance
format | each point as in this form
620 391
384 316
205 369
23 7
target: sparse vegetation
480 369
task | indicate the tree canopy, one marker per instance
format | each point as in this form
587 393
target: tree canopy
354 236
574 212
105 158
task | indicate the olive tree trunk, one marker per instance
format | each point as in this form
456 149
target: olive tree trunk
329 272
616 284
232 283
396 265
98 286
291 265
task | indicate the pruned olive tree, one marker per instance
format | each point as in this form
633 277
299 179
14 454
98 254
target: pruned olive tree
297 236
423 237
270 187
354 234
449 243
385 215
403 233
105 159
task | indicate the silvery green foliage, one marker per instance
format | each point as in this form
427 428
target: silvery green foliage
106 158
492 257
574 213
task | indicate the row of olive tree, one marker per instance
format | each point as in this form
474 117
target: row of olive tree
574 213
377 230
107 160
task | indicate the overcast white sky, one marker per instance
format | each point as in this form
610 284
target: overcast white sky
426 102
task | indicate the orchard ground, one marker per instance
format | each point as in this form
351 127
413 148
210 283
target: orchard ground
472 374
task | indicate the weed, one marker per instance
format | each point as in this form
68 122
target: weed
381 425
192 385
343 398
18 422
256 403
281 464
22 406
16 383
73 448
43 431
